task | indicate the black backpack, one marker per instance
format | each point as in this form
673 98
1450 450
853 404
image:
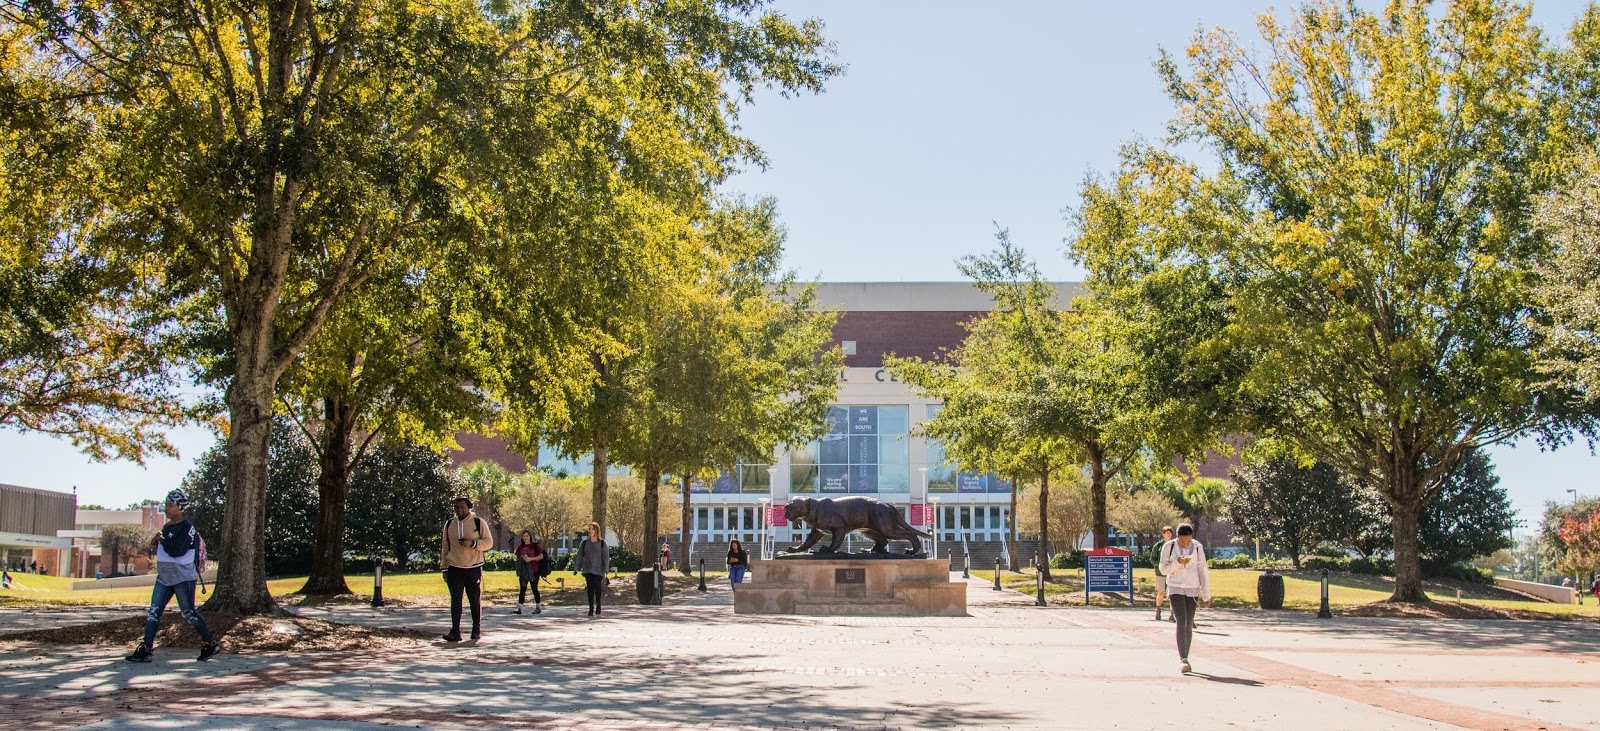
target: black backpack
545 564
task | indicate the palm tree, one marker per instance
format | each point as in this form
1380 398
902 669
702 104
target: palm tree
1206 497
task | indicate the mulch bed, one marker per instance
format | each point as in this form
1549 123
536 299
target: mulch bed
1451 610
255 633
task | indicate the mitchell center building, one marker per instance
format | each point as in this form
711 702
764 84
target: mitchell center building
869 447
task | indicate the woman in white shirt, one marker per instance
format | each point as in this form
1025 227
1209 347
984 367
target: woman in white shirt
1184 563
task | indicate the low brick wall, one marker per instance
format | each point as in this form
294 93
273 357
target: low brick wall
1557 594
123 582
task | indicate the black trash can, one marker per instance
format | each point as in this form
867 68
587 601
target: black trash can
646 584
1269 590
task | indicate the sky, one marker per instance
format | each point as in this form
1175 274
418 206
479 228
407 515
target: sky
951 119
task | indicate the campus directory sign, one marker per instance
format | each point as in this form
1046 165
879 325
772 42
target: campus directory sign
1108 570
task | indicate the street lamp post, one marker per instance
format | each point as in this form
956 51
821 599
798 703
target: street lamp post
934 501
1574 492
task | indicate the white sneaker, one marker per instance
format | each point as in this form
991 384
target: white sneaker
1185 669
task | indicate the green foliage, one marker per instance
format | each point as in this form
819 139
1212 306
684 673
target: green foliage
1067 560
120 544
625 559
488 485
1469 516
291 500
495 560
1292 507
1577 551
1569 289
399 501
1206 498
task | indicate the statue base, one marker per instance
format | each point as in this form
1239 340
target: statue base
840 556
838 585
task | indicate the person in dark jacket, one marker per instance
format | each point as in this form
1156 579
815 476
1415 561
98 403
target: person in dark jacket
180 558
529 555
594 562
738 562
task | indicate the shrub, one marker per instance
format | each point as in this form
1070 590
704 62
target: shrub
499 561
625 559
1067 560
1241 561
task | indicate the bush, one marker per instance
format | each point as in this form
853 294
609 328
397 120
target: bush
499 561
1459 572
1144 560
1067 560
625 559
1241 561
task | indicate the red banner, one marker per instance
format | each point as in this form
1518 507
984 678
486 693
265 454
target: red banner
921 515
775 515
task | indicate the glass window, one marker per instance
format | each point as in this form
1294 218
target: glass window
718 522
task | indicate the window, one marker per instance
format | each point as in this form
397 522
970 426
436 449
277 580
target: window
864 450
943 477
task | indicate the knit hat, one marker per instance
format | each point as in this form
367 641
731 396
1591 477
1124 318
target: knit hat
178 498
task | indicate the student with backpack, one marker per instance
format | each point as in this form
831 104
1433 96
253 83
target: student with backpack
532 565
594 562
180 557
1183 561
466 537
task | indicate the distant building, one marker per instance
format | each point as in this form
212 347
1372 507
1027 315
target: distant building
87 558
29 522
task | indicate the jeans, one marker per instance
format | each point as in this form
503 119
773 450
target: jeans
523 582
736 573
158 604
1183 607
591 590
468 581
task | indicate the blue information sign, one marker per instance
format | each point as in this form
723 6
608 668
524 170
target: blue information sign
1108 570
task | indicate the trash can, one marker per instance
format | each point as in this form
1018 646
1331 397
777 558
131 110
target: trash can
645 582
1269 590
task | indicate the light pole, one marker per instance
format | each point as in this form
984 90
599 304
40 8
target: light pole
934 501
1574 492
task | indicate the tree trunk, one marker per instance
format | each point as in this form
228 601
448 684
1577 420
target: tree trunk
333 490
601 467
683 530
241 586
1404 521
1097 495
652 512
1044 518
1016 483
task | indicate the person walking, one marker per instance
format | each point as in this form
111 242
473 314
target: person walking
529 556
1188 582
466 536
594 562
1161 578
738 562
179 550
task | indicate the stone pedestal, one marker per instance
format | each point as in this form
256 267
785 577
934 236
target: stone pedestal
853 587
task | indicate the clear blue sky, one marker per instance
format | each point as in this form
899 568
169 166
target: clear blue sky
952 117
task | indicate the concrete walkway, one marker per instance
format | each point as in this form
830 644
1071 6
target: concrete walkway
694 664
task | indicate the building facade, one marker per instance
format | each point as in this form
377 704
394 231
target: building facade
30 520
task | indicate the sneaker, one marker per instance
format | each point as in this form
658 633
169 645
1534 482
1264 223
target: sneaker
208 651
591 611
518 610
452 637
1186 668
538 609
476 635
140 654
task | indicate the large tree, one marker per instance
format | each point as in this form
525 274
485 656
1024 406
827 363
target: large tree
290 523
269 157
399 501
1570 286
1290 506
1377 171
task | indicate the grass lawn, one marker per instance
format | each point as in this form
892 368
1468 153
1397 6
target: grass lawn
1236 588
561 587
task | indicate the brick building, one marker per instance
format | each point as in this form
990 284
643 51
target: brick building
29 522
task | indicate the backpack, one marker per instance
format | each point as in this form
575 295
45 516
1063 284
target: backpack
545 564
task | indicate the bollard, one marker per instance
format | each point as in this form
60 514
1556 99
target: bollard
1324 612
377 583
997 574
702 574
966 565
1038 580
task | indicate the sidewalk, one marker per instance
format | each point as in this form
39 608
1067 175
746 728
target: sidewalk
693 664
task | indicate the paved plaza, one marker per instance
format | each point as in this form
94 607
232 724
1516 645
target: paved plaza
696 665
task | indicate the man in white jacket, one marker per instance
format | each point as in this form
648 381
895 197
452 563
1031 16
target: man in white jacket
1188 583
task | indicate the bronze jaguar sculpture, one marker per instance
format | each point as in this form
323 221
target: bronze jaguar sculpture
839 517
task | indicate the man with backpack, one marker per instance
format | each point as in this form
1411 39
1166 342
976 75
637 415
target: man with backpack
1161 579
180 557
466 537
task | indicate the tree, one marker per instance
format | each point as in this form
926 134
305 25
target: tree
120 544
1580 537
91 506
1469 516
1142 513
550 507
1377 173
488 485
290 524
1569 289
1563 535
1206 497
628 519
399 501
1292 507
320 142
391 363
1067 513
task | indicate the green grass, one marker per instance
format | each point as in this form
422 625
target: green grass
1236 588
561 587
